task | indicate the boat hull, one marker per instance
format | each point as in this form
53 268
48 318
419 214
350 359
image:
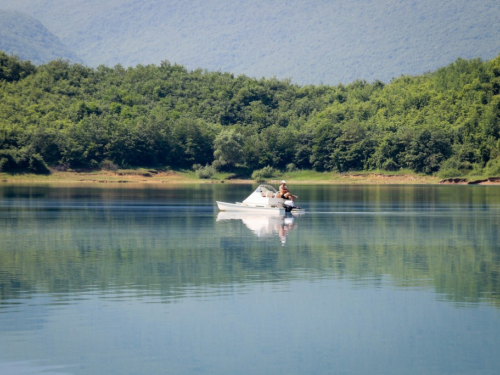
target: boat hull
223 206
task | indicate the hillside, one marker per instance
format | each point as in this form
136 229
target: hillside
27 38
72 116
313 42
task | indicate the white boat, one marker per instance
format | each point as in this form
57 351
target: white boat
263 200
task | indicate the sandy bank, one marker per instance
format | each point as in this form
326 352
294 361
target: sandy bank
170 177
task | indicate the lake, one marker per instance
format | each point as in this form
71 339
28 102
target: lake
152 279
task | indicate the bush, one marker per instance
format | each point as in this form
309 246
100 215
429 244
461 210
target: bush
477 169
60 168
7 162
36 164
493 167
264 173
390 165
108 165
22 161
291 168
206 172
216 164
448 173
455 163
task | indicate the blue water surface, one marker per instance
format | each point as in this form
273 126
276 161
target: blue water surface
155 280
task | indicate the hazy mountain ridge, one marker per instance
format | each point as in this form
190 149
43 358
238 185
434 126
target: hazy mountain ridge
327 41
29 39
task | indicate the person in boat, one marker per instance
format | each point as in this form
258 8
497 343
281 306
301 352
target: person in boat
285 193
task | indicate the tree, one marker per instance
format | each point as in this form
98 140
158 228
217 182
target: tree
228 146
427 150
13 69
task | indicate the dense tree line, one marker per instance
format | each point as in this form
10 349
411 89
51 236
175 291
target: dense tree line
65 115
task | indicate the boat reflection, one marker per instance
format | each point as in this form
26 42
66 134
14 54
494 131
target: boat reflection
264 225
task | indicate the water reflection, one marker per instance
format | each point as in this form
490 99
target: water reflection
372 280
263 225
163 242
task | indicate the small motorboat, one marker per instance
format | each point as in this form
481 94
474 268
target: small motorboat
263 200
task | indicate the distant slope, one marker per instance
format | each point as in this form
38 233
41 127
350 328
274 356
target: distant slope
316 41
27 38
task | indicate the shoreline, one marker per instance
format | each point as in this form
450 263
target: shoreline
171 177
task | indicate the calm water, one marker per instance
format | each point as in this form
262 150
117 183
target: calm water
154 280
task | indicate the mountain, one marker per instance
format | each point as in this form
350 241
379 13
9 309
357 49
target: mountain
316 41
27 38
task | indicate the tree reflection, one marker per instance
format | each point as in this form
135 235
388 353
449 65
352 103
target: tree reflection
117 241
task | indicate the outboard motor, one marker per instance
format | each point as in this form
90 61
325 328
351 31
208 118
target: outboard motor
289 206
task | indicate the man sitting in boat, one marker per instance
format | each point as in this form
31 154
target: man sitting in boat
285 193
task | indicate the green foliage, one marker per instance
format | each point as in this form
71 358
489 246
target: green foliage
13 69
206 172
228 147
108 165
264 173
21 161
291 168
166 116
493 167
447 173
7 162
426 150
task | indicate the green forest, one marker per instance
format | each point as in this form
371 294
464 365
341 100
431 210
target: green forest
64 116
